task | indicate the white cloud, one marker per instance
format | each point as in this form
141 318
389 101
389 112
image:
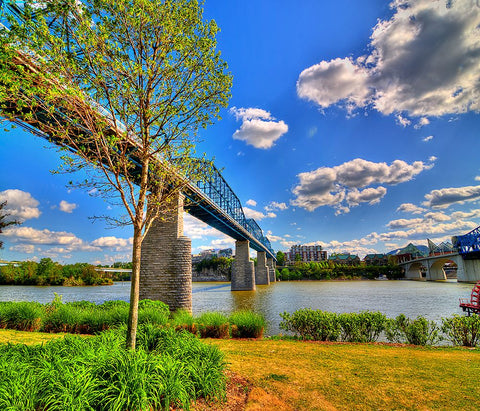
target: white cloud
257 215
23 248
118 244
424 121
259 128
404 223
67 207
369 195
20 204
428 138
276 206
251 202
445 197
424 61
477 178
333 185
31 235
196 229
403 121
410 208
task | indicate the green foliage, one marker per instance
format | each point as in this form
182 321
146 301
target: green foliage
326 270
3 220
280 258
462 330
222 265
48 272
213 325
76 373
365 326
312 324
419 331
247 324
24 316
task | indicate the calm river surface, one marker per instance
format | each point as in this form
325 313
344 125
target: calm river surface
433 300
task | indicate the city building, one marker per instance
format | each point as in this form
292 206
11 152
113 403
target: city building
376 259
345 259
305 253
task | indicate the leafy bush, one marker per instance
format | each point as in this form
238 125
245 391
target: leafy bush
362 327
312 324
78 373
213 325
183 320
462 330
247 324
419 331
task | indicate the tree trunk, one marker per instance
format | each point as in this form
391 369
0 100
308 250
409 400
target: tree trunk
134 289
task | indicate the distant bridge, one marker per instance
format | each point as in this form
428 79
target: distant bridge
166 254
465 254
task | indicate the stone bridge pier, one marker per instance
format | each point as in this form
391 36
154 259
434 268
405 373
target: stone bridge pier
262 271
166 264
271 269
243 273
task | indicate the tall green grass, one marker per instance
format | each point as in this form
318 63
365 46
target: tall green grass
77 317
247 324
75 373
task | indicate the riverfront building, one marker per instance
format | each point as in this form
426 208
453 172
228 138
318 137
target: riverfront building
376 259
305 253
344 259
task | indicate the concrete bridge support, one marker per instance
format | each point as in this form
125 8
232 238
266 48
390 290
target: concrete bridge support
413 271
271 269
435 271
166 264
469 272
262 276
243 273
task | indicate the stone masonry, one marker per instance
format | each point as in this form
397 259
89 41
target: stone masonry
271 269
261 271
166 264
243 273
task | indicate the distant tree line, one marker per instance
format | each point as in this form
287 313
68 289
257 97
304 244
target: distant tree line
48 272
326 270
222 265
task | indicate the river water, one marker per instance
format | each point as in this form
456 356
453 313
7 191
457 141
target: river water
433 300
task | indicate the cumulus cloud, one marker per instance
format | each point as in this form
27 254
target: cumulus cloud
23 248
445 197
20 204
410 208
276 206
424 61
251 202
67 207
259 128
332 186
428 138
31 235
116 243
257 215
424 121
196 229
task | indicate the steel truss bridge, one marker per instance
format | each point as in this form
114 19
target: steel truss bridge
211 201
468 245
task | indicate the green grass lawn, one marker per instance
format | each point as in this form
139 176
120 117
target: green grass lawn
317 376
300 375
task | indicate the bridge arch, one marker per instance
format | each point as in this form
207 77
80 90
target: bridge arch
436 268
413 271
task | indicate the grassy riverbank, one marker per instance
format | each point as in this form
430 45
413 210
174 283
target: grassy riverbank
300 375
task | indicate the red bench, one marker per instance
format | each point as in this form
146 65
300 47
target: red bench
472 305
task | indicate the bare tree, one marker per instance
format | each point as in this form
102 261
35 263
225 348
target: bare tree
4 222
123 86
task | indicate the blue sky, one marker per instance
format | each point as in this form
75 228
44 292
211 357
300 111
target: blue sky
354 125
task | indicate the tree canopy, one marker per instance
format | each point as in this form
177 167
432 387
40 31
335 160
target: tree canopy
123 86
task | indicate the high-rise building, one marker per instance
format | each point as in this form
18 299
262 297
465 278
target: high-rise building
305 253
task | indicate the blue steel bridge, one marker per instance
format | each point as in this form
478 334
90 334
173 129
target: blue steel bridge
212 201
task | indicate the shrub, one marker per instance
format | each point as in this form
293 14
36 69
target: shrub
312 324
247 324
183 320
24 316
78 373
213 325
362 327
462 330
419 331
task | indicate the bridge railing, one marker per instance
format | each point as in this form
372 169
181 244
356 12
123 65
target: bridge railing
213 186
468 243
